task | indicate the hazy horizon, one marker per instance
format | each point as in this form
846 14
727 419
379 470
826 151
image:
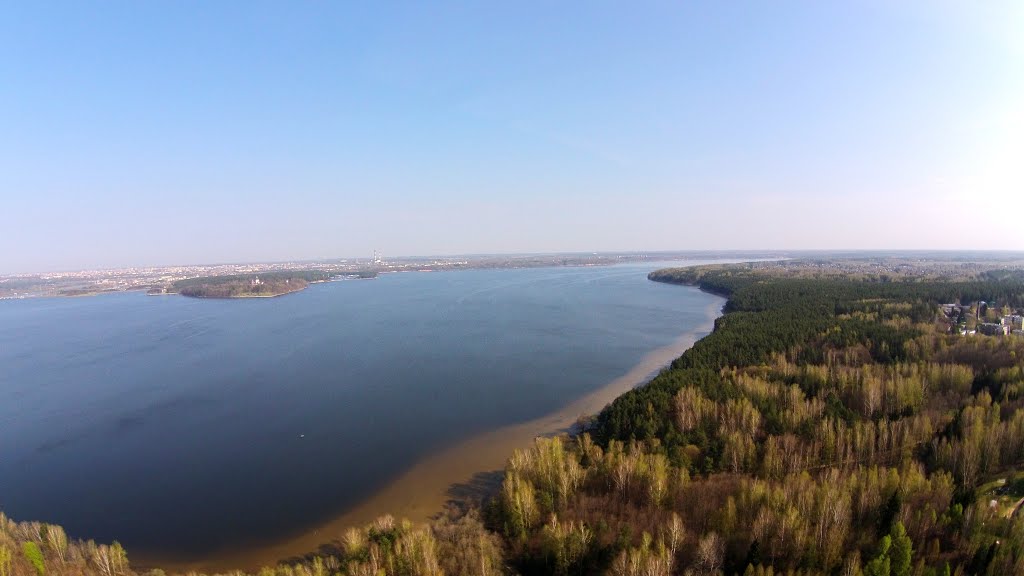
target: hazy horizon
147 134
671 255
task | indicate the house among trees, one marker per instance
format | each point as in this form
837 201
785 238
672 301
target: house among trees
993 329
1013 322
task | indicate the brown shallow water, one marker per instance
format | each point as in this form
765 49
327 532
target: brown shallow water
450 475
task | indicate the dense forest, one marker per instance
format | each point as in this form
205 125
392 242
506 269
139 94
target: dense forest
827 426
830 424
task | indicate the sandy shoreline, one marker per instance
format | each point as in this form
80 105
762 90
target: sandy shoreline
424 489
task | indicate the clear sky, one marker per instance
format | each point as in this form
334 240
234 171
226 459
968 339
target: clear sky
137 133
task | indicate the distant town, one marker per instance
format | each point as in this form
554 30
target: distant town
984 318
882 265
164 279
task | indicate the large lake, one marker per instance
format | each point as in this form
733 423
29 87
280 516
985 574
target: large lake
180 426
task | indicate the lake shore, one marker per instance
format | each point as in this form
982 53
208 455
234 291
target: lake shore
455 474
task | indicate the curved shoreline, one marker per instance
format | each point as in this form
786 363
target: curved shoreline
423 491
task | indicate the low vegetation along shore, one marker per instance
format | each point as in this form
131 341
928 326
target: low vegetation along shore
830 424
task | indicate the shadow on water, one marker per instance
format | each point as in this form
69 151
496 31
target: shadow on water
332 548
473 493
462 497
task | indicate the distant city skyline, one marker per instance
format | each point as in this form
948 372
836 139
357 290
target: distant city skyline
193 133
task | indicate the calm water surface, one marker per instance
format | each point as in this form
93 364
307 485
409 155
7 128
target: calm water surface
180 426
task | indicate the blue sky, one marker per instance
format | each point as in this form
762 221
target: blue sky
136 133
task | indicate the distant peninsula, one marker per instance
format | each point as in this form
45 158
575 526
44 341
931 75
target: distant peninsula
264 285
239 280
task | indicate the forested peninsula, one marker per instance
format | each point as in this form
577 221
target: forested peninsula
262 285
832 423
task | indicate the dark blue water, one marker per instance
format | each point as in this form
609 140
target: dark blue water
179 426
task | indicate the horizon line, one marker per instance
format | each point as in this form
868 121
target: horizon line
773 251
